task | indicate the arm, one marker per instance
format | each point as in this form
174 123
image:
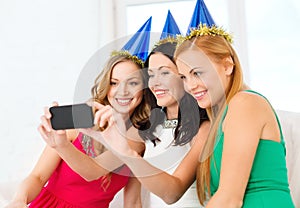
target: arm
171 187
132 194
87 167
243 127
31 186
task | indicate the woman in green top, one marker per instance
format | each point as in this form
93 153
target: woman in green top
243 162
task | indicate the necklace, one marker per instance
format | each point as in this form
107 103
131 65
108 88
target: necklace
171 123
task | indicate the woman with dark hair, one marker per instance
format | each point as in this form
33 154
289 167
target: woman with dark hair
175 119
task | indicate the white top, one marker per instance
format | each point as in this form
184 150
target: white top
167 157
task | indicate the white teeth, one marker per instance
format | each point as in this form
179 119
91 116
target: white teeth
159 92
199 94
123 101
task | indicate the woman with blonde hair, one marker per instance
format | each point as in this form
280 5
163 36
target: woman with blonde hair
75 170
243 162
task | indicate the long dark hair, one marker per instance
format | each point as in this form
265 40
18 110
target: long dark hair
190 115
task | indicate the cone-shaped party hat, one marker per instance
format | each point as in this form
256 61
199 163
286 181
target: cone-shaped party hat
138 45
201 15
170 28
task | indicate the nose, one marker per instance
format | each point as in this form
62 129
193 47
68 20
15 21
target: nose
123 89
154 81
191 83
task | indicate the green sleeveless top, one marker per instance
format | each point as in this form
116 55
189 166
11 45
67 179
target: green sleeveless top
268 183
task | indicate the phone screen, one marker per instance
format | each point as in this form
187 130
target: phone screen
72 116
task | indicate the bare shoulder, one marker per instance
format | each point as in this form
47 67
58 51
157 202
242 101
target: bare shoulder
248 101
250 109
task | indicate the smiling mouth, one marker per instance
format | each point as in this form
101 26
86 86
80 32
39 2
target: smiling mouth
123 101
200 95
160 93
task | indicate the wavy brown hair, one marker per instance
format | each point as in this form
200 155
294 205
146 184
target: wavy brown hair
217 48
99 92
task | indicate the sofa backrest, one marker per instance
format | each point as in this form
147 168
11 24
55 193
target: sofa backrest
290 123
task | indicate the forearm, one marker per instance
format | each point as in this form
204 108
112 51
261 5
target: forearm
87 167
132 194
170 187
81 163
28 190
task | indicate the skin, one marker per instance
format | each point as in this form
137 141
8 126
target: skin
164 83
59 143
256 121
252 113
171 187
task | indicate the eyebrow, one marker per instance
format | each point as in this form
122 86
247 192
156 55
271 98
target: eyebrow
114 79
192 69
159 68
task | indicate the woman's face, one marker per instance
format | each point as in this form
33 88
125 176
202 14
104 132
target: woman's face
164 81
126 87
203 78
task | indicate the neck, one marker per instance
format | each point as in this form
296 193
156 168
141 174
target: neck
172 111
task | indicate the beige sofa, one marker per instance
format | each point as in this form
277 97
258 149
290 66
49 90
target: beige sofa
290 122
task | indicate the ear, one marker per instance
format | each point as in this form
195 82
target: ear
228 63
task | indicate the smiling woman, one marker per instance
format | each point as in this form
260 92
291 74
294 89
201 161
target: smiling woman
126 92
253 40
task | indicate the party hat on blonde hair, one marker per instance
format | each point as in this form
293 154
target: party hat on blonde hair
138 45
201 15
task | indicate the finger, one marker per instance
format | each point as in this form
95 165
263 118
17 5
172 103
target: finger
106 117
46 123
54 103
102 114
47 112
97 105
60 132
43 133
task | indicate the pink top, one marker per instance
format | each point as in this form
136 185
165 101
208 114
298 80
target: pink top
66 189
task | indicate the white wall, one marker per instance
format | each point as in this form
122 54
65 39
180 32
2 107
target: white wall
43 47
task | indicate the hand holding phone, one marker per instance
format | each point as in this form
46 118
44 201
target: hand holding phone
72 116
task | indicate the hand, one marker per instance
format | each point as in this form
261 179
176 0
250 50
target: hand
113 135
52 137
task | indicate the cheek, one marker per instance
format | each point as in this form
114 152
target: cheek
138 97
177 85
151 82
111 93
137 91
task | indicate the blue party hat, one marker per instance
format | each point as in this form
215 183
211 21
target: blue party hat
170 28
168 42
201 15
138 45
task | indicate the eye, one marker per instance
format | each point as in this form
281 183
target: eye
113 83
134 83
165 73
197 73
182 77
151 76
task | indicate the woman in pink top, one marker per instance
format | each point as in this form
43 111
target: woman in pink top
81 181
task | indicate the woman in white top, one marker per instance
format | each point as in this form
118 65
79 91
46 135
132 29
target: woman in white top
174 121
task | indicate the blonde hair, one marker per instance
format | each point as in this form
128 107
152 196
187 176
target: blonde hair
99 94
217 48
